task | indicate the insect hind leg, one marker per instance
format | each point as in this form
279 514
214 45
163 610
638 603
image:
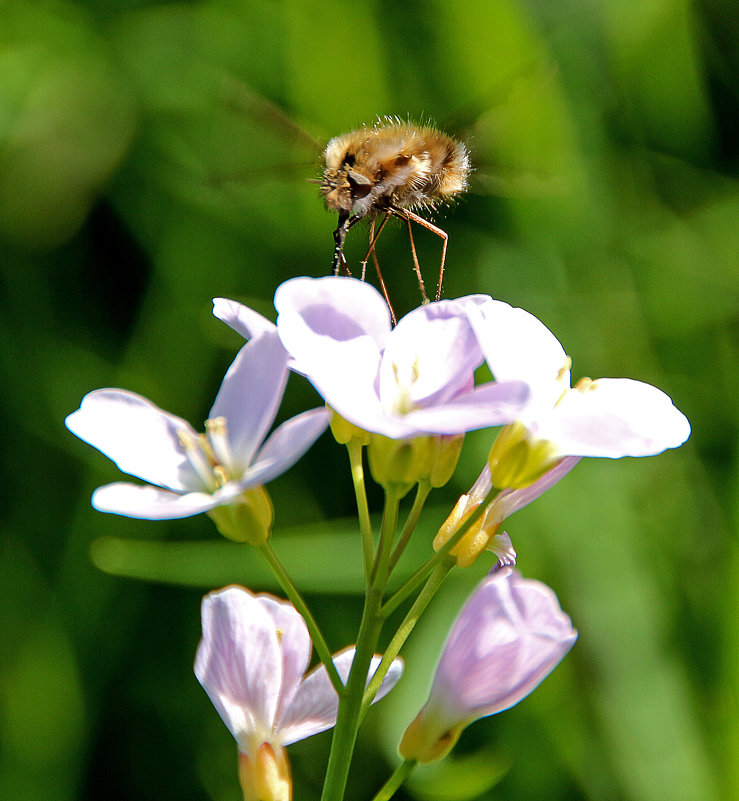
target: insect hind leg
371 250
410 216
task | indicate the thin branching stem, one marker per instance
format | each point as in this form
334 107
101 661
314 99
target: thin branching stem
296 599
354 447
420 575
406 627
398 776
422 493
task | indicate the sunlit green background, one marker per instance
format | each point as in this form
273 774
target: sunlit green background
148 163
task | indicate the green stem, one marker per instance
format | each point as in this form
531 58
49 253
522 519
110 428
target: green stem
430 565
350 701
422 493
381 568
399 775
354 447
350 704
406 627
322 649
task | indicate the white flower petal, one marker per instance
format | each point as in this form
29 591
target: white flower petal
511 500
239 661
242 319
337 308
137 435
491 404
150 503
434 351
518 346
249 397
295 644
286 445
316 704
615 417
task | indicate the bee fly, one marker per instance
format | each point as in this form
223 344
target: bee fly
391 169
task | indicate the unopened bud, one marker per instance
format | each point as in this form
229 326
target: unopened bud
399 463
517 461
265 776
444 458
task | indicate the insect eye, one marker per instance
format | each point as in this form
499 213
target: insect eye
349 160
402 160
360 184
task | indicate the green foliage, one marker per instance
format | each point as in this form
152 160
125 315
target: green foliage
154 156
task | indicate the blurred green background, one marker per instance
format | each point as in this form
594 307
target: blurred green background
154 156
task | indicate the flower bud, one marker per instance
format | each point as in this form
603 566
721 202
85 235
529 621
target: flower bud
517 461
444 458
477 537
266 777
400 463
509 636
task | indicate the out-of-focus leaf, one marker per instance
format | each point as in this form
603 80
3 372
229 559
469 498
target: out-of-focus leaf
321 558
458 778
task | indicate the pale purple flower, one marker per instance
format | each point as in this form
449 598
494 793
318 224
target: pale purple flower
508 637
414 379
190 472
252 662
611 417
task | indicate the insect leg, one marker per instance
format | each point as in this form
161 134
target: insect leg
416 265
371 249
372 240
339 262
409 215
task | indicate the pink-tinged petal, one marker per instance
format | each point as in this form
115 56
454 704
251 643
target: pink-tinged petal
488 405
502 547
518 346
510 635
239 662
316 704
295 644
150 503
336 308
249 397
511 500
491 404
138 436
615 417
333 339
286 445
242 319
434 351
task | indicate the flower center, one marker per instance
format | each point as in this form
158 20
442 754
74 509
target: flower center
209 454
405 375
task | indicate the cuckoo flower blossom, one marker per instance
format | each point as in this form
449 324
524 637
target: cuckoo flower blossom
403 382
190 472
509 636
251 662
611 417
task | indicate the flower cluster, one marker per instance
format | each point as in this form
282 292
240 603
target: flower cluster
407 394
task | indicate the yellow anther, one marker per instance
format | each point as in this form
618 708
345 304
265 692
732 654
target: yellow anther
585 385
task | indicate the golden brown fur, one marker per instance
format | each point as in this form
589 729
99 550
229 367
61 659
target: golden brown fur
393 164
